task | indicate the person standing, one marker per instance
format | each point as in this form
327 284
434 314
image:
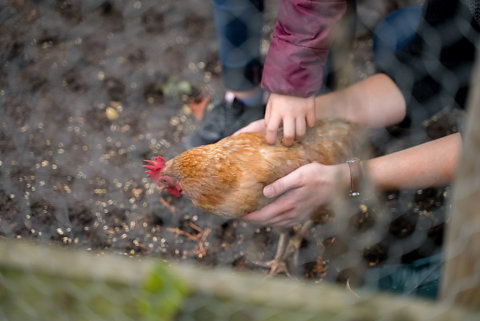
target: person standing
293 70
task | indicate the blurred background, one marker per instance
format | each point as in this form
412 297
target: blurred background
89 89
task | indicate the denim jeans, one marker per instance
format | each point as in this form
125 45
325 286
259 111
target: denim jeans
239 26
393 32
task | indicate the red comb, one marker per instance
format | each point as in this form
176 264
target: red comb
155 168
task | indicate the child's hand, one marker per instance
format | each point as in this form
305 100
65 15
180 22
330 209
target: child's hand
257 126
294 112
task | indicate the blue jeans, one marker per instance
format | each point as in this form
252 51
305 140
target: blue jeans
239 26
393 32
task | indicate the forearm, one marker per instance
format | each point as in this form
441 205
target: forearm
375 101
427 165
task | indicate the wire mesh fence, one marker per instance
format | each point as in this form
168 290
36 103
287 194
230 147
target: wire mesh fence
45 283
89 89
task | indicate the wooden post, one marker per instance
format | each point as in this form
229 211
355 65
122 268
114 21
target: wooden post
461 278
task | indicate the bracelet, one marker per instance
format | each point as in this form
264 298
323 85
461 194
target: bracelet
355 173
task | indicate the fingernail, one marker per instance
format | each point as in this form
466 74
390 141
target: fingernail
268 191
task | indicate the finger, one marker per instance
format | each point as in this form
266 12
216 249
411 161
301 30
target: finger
268 112
252 217
311 117
285 219
288 131
285 223
300 127
272 128
265 215
257 126
241 130
281 185
278 221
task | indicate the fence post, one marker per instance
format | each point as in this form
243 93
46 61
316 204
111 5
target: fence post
461 277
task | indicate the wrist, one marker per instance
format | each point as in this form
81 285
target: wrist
343 178
354 176
327 106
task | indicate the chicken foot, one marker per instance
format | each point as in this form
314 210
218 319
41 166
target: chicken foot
279 263
295 241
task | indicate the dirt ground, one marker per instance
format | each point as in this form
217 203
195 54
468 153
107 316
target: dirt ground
90 89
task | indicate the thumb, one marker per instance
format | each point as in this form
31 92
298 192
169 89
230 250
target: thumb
257 126
278 187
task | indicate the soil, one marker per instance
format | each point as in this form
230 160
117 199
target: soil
90 89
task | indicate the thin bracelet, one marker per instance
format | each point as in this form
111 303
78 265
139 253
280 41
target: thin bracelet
355 173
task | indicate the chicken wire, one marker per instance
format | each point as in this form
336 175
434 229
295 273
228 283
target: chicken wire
88 90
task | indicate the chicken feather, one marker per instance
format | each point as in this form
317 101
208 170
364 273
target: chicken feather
227 178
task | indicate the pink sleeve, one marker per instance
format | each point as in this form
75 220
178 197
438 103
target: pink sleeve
300 46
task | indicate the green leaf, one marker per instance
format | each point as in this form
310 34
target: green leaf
164 294
175 87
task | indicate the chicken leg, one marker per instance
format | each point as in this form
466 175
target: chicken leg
295 241
279 263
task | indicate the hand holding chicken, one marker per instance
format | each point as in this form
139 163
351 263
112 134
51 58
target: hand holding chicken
294 203
228 178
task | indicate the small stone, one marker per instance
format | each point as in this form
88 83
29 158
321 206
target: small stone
111 113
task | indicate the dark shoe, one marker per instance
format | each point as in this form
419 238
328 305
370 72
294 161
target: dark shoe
222 121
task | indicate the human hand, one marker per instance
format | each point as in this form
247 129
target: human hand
257 126
294 112
300 194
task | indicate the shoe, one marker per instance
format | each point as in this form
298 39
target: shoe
222 121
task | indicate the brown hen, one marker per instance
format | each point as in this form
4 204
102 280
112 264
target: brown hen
227 178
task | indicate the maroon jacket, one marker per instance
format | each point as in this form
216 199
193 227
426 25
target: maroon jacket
299 49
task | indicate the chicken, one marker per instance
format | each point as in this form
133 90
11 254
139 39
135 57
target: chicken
227 178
